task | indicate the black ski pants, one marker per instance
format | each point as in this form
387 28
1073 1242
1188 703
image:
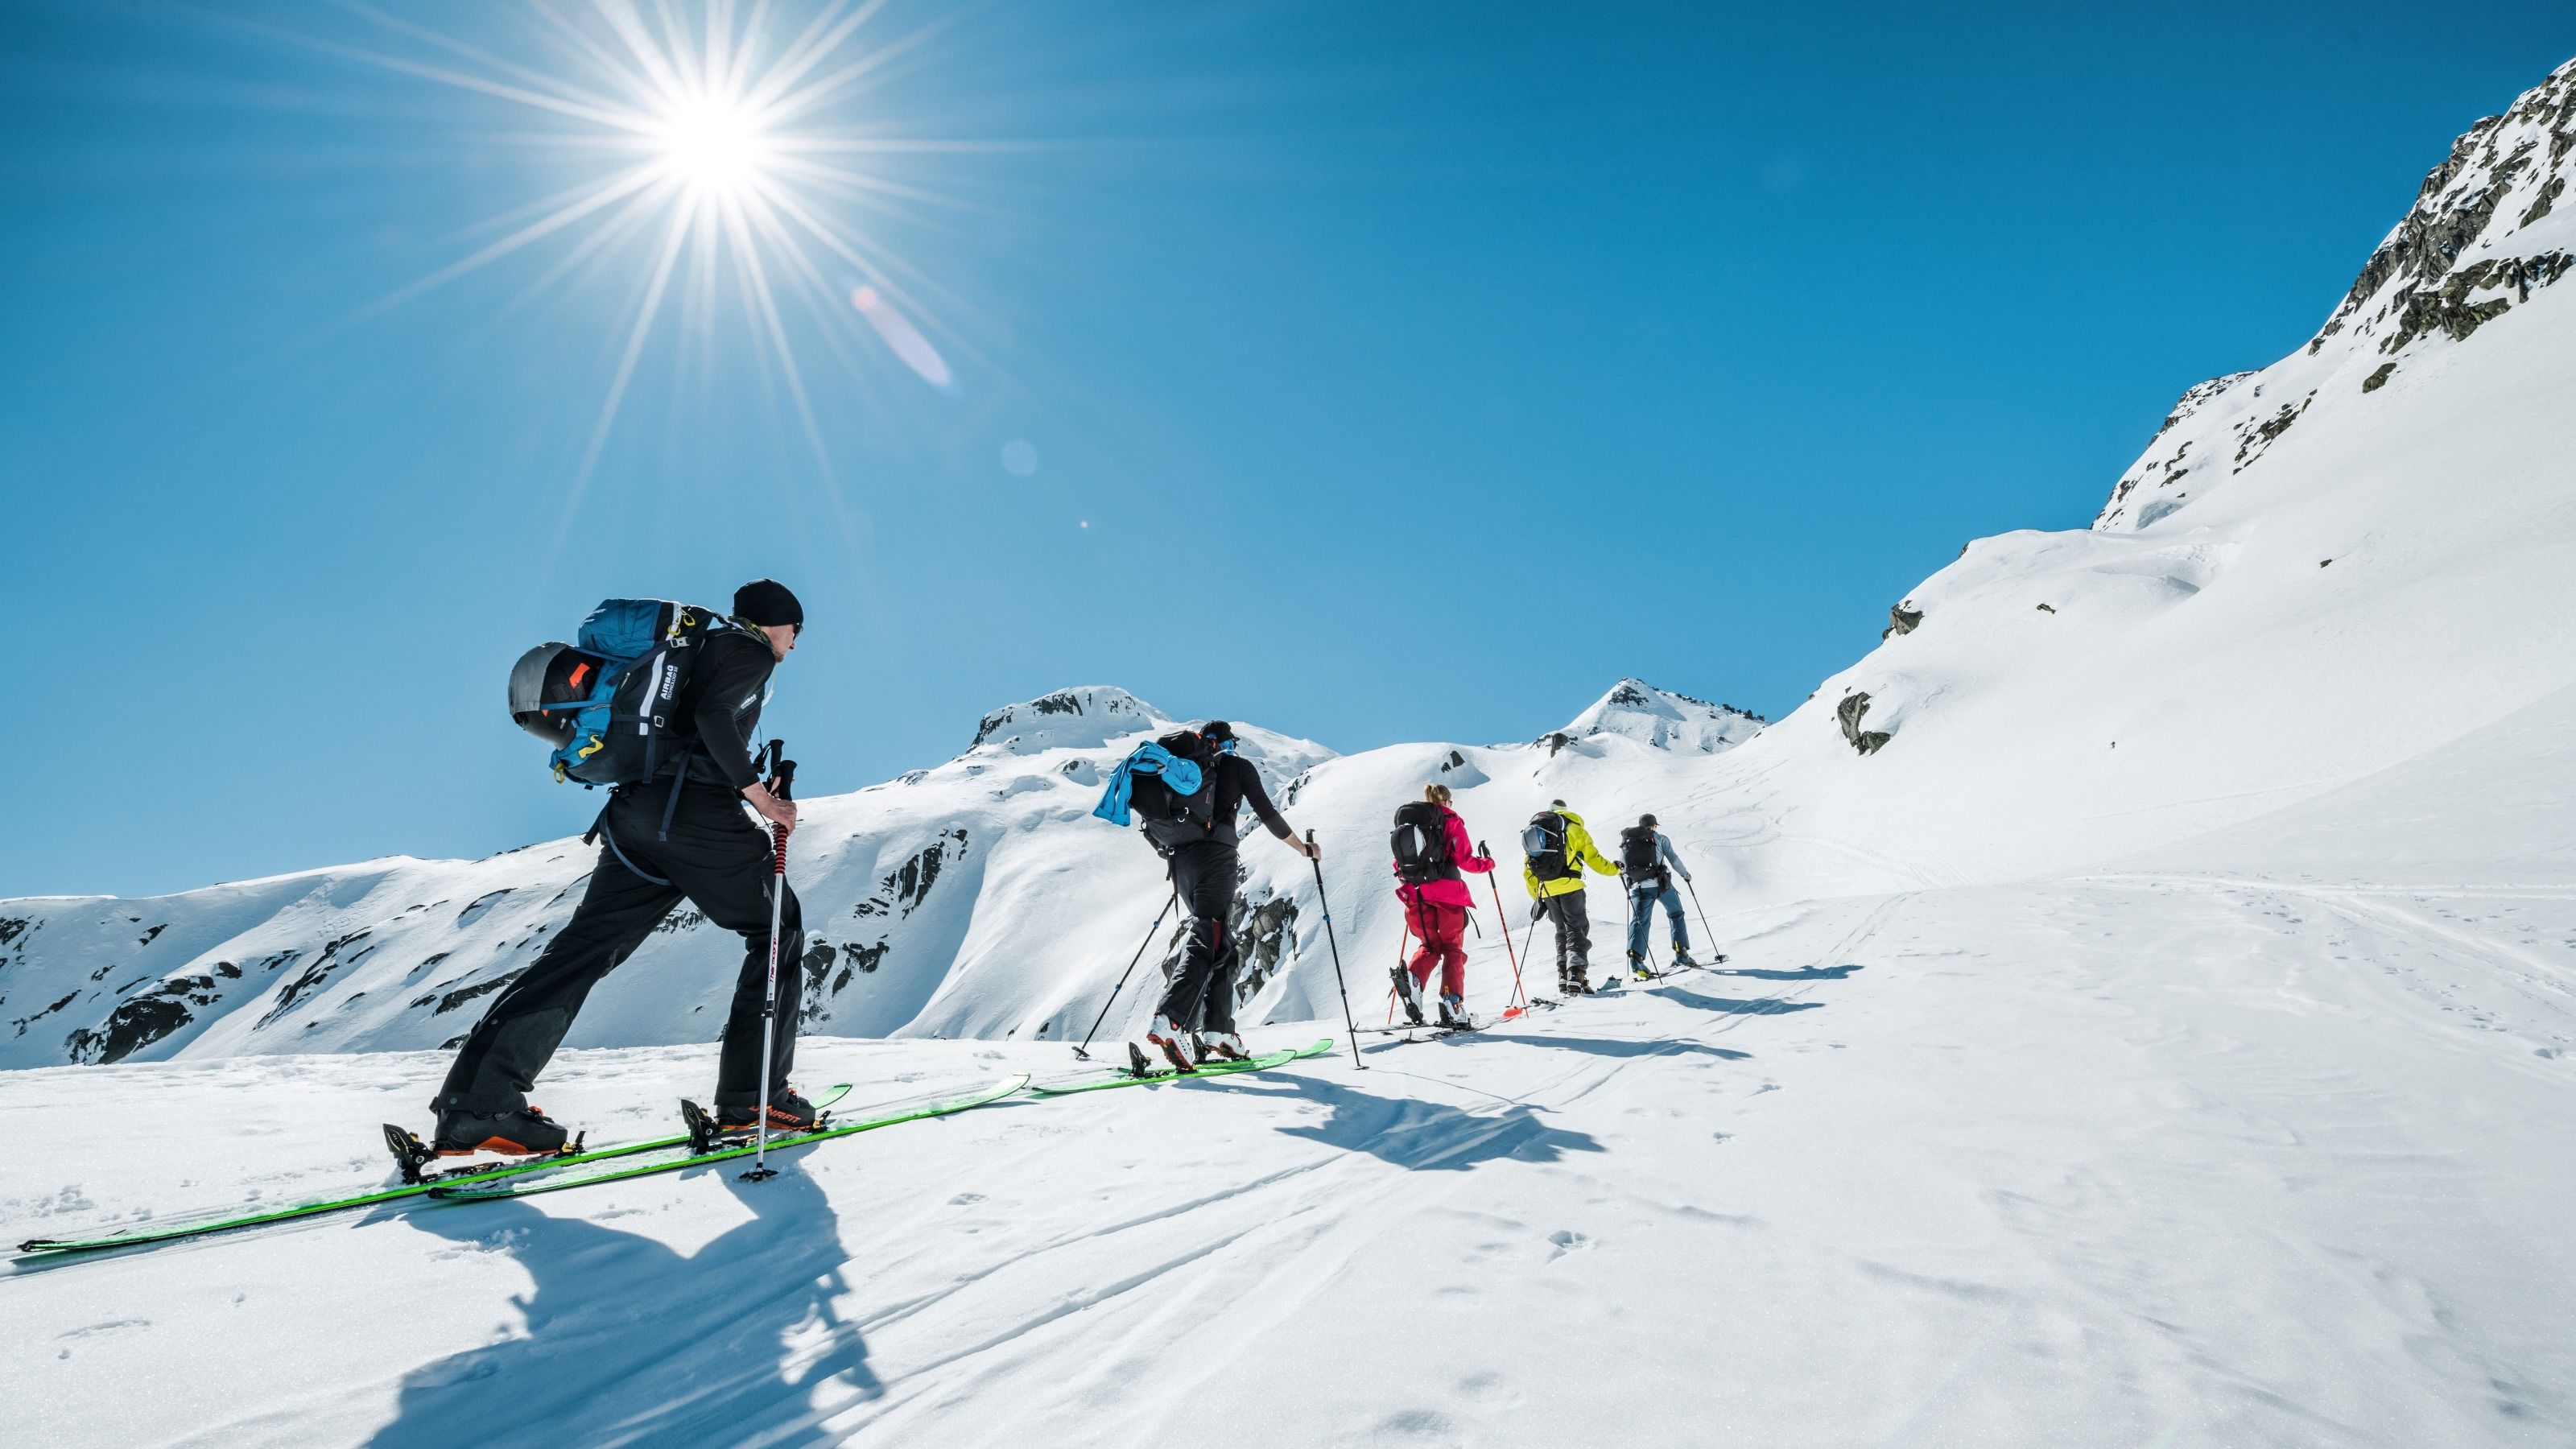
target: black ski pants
717 860
1573 920
1202 992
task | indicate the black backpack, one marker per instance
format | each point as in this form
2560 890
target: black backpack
1169 818
1637 863
1543 841
608 704
1421 844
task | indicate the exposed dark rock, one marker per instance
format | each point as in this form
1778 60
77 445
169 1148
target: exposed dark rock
2254 438
2540 206
855 959
475 908
2431 238
228 970
318 975
139 1023
2379 378
21 1022
677 921
463 994
1263 930
1901 620
1849 712
908 884
150 934
2048 608
12 927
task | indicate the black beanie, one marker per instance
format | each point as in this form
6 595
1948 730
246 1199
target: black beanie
766 602
1647 821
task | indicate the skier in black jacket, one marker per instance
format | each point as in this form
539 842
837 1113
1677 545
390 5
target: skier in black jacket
1204 873
681 835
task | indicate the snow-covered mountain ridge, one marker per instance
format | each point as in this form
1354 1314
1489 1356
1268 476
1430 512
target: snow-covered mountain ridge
2316 571
978 897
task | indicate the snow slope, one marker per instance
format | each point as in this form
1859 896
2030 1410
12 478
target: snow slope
2079 1163
2318 570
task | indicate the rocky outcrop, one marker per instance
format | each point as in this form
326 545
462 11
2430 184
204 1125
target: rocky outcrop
1849 712
1901 620
2465 254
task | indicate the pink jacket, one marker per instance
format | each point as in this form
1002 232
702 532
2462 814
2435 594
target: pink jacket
1461 850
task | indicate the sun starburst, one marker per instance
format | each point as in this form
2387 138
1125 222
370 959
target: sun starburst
719 166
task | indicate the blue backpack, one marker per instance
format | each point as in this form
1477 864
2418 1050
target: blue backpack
604 702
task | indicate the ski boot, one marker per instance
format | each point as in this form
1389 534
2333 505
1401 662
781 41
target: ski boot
1222 1046
1682 957
526 1132
1408 991
1167 1037
1453 1011
788 1112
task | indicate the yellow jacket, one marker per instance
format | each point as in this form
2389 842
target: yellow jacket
1579 852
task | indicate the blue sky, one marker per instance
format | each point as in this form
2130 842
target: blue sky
1388 371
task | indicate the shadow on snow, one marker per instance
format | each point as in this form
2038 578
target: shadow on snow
1422 1136
1803 973
628 1340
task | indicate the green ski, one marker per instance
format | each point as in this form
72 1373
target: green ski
1098 1081
194 1225
485 1190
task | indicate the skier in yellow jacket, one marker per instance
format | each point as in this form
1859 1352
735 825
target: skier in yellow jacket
1555 849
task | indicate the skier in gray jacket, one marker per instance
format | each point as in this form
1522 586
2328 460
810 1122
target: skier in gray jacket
1647 865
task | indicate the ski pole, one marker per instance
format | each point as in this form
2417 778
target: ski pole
1503 919
1321 900
782 783
1714 954
1079 1052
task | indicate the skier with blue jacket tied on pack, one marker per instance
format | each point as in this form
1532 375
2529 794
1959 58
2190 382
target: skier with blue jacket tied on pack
1647 863
662 702
1186 791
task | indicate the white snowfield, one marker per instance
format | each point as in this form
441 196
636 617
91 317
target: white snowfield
2151 1021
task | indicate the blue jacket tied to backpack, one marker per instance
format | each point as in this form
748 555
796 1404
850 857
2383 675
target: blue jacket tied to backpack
1181 775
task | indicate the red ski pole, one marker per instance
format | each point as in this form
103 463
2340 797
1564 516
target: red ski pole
1503 918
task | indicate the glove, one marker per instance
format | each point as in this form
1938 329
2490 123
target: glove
1537 909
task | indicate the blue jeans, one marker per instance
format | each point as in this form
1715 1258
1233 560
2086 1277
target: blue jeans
1641 911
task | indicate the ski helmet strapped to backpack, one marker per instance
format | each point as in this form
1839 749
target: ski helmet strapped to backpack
1172 817
1420 843
1637 863
605 701
1543 841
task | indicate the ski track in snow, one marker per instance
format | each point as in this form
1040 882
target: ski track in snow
2134 1160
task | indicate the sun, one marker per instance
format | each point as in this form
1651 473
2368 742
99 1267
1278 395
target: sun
713 144
721 170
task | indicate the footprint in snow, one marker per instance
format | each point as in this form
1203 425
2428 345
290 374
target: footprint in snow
1566 1241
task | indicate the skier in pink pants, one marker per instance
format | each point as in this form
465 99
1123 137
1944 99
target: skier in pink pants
1431 849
